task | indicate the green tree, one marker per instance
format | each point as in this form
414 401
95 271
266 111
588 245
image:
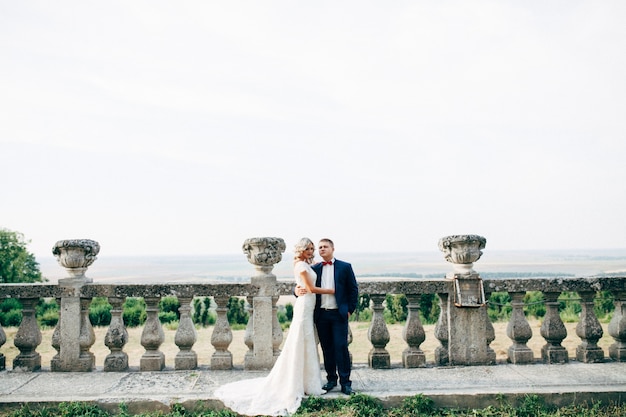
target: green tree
16 263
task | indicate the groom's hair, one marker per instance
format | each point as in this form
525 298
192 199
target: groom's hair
330 242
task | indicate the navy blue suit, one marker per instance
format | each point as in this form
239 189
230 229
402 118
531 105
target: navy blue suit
332 326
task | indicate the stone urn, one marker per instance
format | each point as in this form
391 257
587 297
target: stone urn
76 255
264 252
462 251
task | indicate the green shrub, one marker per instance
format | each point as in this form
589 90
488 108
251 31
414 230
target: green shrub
202 314
134 313
100 312
12 318
49 318
397 306
167 317
170 305
237 313
10 304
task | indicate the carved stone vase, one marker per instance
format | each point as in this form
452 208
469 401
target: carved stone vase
264 252
462 251
76 255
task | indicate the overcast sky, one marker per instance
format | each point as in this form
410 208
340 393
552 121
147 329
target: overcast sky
185 127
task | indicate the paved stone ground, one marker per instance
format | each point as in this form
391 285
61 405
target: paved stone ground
458 387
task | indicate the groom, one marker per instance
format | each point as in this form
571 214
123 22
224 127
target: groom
332 313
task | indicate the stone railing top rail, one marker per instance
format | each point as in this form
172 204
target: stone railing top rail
366 286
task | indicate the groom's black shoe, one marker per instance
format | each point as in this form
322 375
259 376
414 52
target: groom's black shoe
347 389
329 385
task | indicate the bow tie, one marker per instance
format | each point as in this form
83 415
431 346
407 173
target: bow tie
327 263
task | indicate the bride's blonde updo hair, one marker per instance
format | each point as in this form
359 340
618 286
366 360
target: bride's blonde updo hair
301 247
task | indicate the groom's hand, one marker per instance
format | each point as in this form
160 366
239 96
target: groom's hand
300 291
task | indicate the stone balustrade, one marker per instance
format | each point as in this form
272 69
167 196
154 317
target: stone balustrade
589 330
463 329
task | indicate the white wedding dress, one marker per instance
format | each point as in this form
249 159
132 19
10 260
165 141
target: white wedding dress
295 373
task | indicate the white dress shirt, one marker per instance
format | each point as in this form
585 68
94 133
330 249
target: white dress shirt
328 281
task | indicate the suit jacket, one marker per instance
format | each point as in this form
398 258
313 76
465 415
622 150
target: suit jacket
346 288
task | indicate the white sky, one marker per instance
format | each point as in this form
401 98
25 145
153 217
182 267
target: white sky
185 127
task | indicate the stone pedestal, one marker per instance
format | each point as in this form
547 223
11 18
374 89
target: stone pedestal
263 353
75 334
469 330
266 334
468 343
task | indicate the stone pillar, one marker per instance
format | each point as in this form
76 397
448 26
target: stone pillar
519 331
263 253
75 334
116 338
554 331
222 336
469 330
442 357
152 337
589 330
617 328
277 330
413 334
378 334
185 337
27 338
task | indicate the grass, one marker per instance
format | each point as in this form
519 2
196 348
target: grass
355 406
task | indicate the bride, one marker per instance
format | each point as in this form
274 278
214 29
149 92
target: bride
297 370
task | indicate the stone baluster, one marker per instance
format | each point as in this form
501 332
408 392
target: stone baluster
490 333
589 330
378 335
222 336
263 253
617 328
152 337
3 340
185 337
86 359
277 330
553 331
442 357
27 338
116 338
248 338
56 340
413 334
519 331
